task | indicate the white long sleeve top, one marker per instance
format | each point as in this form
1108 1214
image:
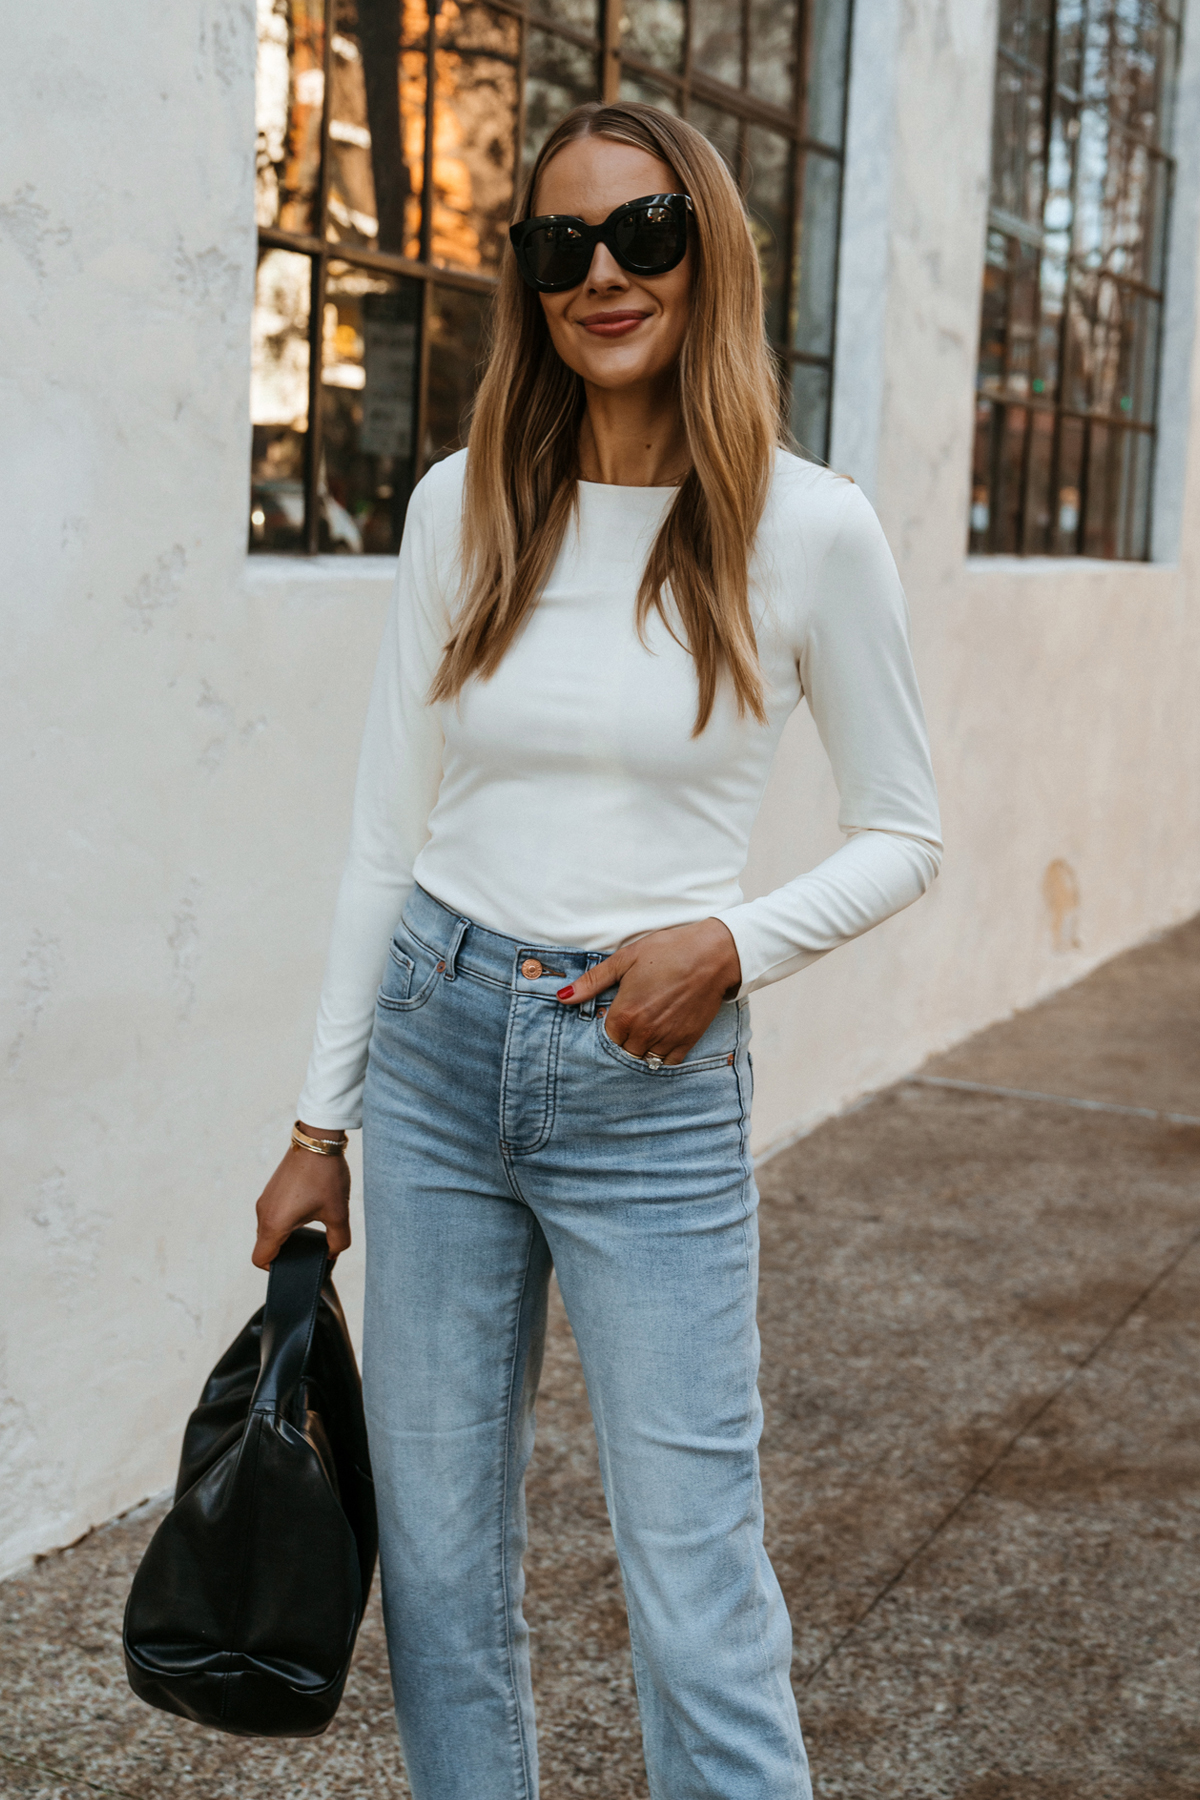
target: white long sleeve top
566 802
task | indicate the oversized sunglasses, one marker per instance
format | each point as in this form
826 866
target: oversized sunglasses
647 237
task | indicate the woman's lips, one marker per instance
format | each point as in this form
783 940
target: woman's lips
612 324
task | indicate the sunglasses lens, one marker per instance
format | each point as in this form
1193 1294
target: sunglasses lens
556 255
651 238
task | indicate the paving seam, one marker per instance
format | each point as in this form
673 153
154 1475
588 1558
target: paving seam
1005 1450
40 1768
1009 1093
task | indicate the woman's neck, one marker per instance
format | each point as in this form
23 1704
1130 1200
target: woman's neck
633 437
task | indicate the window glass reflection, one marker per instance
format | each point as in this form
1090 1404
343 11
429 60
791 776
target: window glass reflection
279 360
768 198
635 87
827 70
377 124
721 130
289 91
368 408
717 40
655 31
560 75
772 62
457 321
813 287
810 408
581 14
473 141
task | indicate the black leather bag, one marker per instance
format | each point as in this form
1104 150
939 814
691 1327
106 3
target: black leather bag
244 1610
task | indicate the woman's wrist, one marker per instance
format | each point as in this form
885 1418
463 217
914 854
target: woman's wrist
318 1140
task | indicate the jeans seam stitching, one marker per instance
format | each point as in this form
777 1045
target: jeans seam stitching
504 1506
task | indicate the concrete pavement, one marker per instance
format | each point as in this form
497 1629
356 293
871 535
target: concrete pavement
981 1460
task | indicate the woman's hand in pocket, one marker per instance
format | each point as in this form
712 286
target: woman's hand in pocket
670 985
306 1189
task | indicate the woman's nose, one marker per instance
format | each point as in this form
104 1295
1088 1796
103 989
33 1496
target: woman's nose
606 271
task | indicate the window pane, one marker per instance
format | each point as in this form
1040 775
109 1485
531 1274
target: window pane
980 518
654 30
1024 28
561 75
1139 466
827 64
1012 424
1121 201
457 322
717 40
772 69
377 124
1018 150
721 130
1100 513
1071 435
279 400
768 198
368 408
289 89
1069 47
1077 234
635 87
474 135
1112 348
816 257
1139 373
810 408
1039 500
1010 318
581 14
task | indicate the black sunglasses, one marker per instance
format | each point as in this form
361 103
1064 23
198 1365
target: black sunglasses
647 237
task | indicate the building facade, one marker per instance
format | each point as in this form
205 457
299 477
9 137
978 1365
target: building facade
234 324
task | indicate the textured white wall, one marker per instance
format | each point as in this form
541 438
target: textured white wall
179 727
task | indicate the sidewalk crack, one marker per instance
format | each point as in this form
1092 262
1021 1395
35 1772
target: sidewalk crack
1011 1093
1005 1450
36 1767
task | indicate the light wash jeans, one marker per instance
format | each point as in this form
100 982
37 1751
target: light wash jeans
505 1133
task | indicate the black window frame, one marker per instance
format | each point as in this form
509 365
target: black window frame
615 67
1095 503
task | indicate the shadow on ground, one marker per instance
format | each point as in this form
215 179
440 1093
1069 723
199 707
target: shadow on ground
981 1461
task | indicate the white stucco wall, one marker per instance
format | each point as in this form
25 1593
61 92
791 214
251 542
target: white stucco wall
180 725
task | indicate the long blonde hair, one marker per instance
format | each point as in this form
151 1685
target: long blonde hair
523 449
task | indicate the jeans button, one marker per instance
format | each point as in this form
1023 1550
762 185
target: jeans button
531 968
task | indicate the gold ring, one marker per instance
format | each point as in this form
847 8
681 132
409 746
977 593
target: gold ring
651 1061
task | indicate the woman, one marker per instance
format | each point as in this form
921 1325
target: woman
605 611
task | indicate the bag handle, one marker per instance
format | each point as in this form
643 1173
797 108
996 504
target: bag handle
293 1294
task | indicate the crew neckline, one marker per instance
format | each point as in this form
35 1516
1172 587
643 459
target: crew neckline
618 487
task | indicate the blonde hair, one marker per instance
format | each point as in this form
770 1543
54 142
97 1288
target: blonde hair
523 449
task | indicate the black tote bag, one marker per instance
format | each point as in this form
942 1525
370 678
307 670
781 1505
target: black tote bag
245 1607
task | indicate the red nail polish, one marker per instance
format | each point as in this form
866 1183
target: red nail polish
566 993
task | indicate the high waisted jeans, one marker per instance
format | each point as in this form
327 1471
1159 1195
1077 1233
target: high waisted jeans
505 1133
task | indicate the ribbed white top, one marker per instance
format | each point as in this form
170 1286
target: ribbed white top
566 802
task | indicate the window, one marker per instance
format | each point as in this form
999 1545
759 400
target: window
1074 278
390 133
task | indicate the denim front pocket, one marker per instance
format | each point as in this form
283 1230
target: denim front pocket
717 1049
406 983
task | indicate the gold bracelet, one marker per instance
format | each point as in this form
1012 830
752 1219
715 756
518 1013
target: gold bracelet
321 1146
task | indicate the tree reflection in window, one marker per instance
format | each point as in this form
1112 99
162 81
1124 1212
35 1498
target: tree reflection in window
389 140
1074 278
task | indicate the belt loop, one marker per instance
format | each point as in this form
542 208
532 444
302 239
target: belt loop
460 932
588 1009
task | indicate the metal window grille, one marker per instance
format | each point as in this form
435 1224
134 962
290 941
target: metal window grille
1074 276
390 136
